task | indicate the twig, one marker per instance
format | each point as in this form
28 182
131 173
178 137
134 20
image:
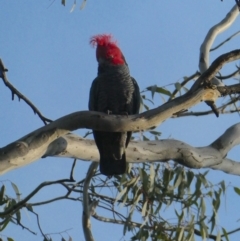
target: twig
233 231
232 36
235 73
72 170
23 227
39 226
86 223
115 221
185 81
60 233
216 65
210 236
23 202
202 113
228 90
20 96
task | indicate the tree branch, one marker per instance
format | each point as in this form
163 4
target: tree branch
23 202
212 156
183 83
86 223
14 91
211 36
226 40
205 50
37 143
34 145
216 65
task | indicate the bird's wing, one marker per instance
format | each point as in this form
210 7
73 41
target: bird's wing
93 95
136 97
136 105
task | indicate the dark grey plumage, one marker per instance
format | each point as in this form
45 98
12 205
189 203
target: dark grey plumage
114 91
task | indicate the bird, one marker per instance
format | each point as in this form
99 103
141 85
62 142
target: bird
114 92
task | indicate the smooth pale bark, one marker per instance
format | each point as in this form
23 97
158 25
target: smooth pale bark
34 145
211 156
220 27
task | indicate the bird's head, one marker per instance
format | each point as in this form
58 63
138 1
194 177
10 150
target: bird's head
107 50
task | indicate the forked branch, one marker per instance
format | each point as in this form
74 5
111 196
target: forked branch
20 96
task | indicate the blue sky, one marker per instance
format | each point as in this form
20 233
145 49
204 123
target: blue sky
46 49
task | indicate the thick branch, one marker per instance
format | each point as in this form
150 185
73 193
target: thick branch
211 156
228 90
211 36
33 146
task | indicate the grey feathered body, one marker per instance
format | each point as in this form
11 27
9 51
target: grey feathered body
114 91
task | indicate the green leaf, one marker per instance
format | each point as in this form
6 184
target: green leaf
191 236
198 184
212 221
167 176
144 179
124 190
151 178
203 233
178 86
203 180
18 214
6 221
156 133
222 183
9 239
155 89
83 4
178 215
152 89
135 201
217 201
237 190
225 234
29 207
203 207
180 235
132 181
46 239
144 209
15 188
163 99
190 177
2 191
73 6
145 138
146 107
144 98
178 179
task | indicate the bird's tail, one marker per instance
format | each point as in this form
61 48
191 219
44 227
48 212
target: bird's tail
111 166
